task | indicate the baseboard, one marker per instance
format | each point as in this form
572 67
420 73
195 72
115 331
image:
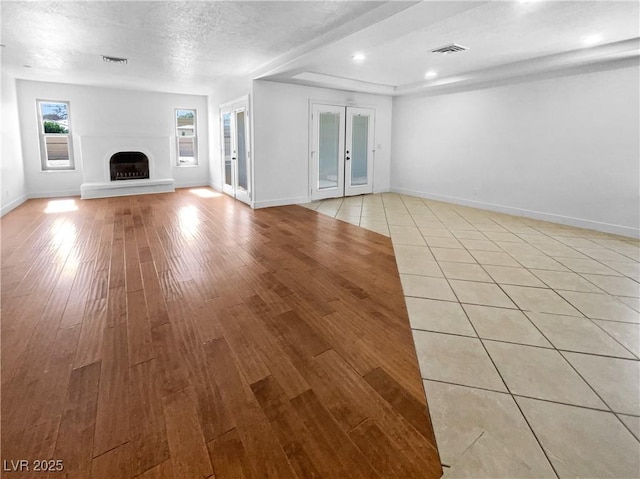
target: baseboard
13 205
192 184
537 215
53 194
280 202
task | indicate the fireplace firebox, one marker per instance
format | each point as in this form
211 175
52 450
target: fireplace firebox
129 165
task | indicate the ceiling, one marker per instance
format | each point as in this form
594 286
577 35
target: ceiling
186 46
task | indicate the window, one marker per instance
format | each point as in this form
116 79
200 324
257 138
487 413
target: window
186 137
56 149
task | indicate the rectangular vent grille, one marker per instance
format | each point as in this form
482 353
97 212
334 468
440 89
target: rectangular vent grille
107 59
453 48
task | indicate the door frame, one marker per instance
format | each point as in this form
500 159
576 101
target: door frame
233 107
313 103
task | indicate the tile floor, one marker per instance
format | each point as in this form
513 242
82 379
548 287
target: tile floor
527 334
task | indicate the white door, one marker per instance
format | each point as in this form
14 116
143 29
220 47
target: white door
236 155
327 151
358 172
341 156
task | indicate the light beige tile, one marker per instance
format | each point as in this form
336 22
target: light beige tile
494 258
399 220
511 275
504 325
522 248
455 359
616 285
406 237
601 254
450 254
354 220
541 373
418 266
630 269
586 266
537 238
417 252
560 251
441 316
479 245
617 381
633 423
426 287
565 280
572 333
601 306
461 416
583 442
634 303
539 300
442 242
469 234
434 232
627 334
489 457
465 271
506 237
538 262
481 293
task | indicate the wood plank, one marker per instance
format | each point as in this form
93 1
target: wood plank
75 439
189 454
112 418
138 329
149 445
228 456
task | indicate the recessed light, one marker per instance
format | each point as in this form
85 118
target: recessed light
592 39
358 57
430 74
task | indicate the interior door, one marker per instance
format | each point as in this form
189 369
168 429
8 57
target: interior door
236 155
359 150
327 151
342 148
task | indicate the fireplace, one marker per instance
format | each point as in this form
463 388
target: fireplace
129 165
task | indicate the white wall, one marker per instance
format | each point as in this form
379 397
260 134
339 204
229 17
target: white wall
97 111
12 171
564 149
281 138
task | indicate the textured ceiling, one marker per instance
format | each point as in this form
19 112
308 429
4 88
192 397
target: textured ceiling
170 45
187 46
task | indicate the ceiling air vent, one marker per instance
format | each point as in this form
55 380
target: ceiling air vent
453 48
121 61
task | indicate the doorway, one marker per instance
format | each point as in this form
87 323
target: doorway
341 155
236 171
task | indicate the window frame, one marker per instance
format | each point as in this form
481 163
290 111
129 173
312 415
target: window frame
42 138
194 137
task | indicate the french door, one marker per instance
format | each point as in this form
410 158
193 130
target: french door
341 157
236 171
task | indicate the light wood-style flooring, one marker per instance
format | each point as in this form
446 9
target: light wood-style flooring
188 336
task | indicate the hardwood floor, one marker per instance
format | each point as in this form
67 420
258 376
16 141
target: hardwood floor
180 336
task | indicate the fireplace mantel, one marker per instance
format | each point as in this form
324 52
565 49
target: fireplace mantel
97 150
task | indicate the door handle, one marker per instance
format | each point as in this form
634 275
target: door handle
233 157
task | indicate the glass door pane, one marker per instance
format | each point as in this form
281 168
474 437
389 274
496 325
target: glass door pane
242 150
226 138
359 152
328 150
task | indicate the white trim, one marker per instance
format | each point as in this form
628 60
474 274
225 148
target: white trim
13 205
537 215
53 194
192 184
280 202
